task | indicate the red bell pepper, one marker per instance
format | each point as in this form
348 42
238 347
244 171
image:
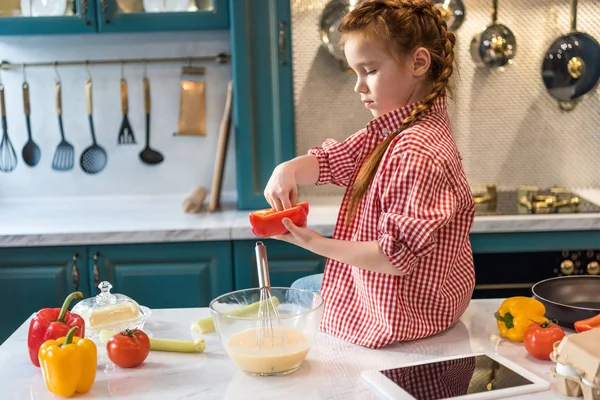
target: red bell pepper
587 324
53 323
268 222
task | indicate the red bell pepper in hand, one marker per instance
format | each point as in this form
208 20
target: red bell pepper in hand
53 323
267 222
587 324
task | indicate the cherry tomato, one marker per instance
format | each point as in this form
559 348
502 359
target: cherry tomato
539 339
128 348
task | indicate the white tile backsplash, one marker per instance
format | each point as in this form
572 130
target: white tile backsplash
189 161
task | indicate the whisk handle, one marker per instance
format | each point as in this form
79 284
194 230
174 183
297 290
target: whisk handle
2 100
262 265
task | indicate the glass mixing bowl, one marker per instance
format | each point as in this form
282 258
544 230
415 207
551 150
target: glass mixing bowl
256 340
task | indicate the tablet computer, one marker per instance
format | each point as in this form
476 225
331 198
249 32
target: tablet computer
470 377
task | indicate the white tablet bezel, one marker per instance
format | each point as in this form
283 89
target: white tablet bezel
386 388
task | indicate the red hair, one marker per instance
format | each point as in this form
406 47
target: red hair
404 25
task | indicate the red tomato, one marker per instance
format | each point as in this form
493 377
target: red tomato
539 339
128 348
267 222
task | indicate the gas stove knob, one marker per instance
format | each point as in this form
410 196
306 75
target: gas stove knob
567 267
593 268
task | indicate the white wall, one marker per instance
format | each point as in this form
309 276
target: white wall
189 161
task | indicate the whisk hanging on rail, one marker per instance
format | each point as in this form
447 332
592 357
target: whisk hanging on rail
269 329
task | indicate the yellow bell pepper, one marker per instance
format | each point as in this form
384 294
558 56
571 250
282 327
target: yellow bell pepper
516 314
68 364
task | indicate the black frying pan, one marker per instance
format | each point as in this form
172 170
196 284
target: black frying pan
569 298
570 69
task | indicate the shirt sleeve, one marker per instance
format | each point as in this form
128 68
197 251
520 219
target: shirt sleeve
417 201
337 160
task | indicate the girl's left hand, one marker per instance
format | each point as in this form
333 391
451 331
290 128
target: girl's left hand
298 235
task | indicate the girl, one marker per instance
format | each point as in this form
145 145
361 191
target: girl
400 265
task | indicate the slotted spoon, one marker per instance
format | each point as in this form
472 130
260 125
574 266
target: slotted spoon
64 156
93 159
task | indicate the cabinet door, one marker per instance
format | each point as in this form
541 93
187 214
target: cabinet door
263 87
36 278
78 16
158 15
165 275
286 263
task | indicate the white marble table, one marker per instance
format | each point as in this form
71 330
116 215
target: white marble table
331 370
110 220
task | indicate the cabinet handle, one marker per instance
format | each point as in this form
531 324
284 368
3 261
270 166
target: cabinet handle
104 4
84 11
282 43
96 270
75 272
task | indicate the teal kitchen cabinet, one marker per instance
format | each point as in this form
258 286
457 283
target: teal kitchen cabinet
36 278
286 263
263 87
164 275
120 16
78 18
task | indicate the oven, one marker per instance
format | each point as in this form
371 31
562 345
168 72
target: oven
513 274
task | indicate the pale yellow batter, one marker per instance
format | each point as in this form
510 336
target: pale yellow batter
271 356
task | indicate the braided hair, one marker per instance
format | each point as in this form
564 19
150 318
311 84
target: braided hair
404 25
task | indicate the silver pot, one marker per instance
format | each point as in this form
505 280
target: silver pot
496 46
331 17
453 12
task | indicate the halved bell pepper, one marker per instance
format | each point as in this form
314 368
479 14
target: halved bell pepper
268 222
53 323
68 364
516 314
587 324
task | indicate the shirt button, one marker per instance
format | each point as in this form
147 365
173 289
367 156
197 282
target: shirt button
385 131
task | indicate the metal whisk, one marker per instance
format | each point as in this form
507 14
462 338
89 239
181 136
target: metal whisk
268 323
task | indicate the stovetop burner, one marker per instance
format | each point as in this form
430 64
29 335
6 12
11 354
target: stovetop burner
529 200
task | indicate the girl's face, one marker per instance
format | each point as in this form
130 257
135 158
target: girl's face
383 81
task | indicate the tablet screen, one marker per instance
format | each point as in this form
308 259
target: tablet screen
453 378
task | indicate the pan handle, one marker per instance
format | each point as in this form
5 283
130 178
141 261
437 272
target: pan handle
494 11
573 15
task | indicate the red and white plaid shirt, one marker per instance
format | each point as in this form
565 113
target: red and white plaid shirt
420 210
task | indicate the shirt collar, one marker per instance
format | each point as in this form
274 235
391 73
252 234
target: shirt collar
391 121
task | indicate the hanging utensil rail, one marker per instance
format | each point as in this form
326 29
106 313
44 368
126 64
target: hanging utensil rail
220 58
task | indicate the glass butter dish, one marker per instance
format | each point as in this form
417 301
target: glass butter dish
108 311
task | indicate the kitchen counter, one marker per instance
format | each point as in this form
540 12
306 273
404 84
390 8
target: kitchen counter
112 220
331 370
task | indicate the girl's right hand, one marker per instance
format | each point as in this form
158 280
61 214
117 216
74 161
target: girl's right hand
281 191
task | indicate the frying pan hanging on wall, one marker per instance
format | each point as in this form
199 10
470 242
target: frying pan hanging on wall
571 66
496 46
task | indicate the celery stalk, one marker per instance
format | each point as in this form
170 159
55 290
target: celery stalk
206 325
178 346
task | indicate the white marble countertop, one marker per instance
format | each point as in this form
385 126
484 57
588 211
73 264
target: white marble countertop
331 370
55 222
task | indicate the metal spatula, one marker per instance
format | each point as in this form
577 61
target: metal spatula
64 156
93 159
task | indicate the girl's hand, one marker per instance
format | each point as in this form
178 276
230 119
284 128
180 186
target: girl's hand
298 235
281 191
